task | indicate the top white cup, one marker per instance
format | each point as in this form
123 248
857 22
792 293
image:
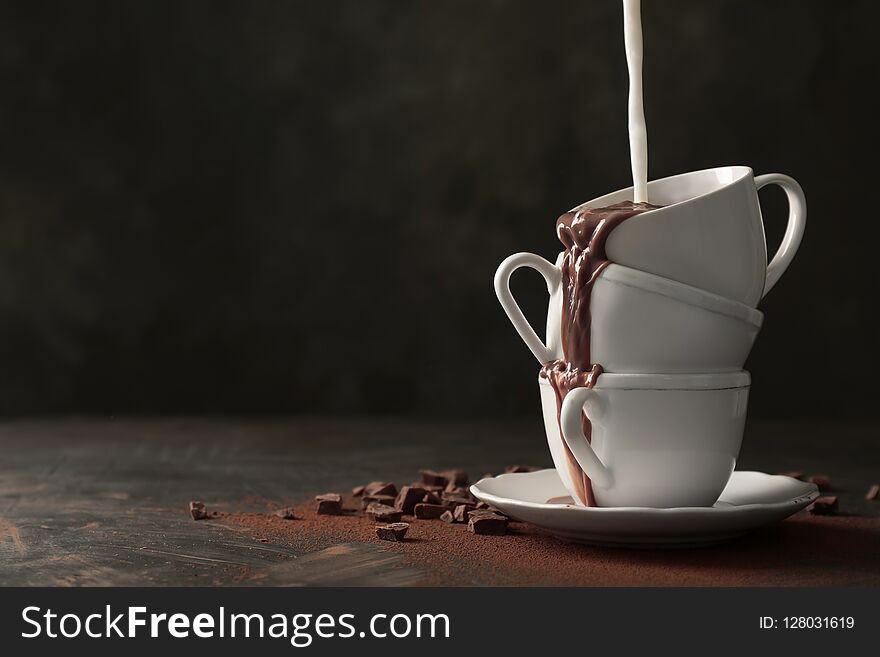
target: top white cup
710 234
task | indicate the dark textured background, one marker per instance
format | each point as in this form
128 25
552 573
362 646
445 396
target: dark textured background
297 207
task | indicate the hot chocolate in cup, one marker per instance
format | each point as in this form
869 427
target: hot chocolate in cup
658 441
709 233
641 323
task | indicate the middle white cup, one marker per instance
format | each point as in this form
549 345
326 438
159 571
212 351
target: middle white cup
641 323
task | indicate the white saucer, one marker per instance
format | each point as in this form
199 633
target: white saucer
750 500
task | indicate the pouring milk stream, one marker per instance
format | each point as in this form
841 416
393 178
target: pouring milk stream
638 132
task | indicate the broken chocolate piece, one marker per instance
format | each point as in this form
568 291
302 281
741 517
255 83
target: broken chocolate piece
487 524
286 513
453 499
383 513
448 516
373 485
482 505
329 504
367 500
197 510
510 469
393 532
824 506
822 481
428 511
460 514
380 488
387 489
431 478
490 512
408 497
431 498
357 491
873 492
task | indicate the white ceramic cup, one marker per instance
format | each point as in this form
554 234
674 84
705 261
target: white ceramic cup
640 323
657 440
710 234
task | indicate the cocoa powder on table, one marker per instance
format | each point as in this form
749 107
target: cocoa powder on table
805 550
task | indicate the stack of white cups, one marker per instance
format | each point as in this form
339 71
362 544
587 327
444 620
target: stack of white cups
673 319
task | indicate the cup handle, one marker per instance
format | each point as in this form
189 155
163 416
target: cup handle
552 275
794 231
577 401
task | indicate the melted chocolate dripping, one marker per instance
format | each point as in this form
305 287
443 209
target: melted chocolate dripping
564 379
583 233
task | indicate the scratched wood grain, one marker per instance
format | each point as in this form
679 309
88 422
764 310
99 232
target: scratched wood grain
103 502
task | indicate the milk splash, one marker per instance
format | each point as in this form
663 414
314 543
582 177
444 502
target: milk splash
638 132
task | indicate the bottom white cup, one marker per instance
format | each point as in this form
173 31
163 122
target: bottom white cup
658 440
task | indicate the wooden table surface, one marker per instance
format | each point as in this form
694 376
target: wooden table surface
103 502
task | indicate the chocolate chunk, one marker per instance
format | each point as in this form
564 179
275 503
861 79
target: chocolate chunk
431 478
452 502
487 524
457 477
454 498
387 489
822 481
482 505
448 516
873 492
286 513
520 468
357 491
431 498
373 485
794 474
408 497
383 513
490 512
380 488
329 504
393 532
197 510
459 491
428 511
460 514
367 500
328 508
824 506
